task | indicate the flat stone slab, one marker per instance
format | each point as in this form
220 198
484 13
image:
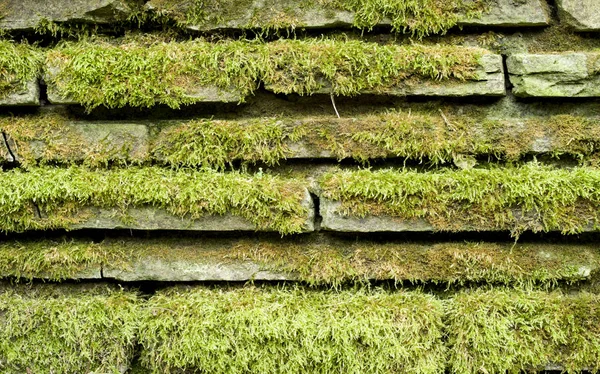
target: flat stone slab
555 75
27 14
334 221
489 81
29 95
581 15
149 218
262 13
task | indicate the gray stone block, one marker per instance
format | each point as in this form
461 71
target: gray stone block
27 14
555 75
582 15
29 95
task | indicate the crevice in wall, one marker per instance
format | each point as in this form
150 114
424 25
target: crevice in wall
318 219
43 93
13 156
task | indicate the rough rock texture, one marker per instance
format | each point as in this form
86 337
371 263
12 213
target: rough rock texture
582 15
23 96
149 218
27 14
488 82
182 270
507 13
333 221
555 75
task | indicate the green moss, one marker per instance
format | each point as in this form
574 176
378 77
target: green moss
530 197
291 331
144 72
511 331
51 331
63 194
419 17
19 64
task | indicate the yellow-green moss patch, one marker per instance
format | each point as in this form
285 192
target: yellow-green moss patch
267 201
529 197
55 330
144 72
511 331
291 330
20 63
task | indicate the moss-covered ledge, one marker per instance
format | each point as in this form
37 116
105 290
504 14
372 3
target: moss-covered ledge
20 67
152 198
314 260
436 137
67 329
507 330
420 18
274 330
143 72
529 197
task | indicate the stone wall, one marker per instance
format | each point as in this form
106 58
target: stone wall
362 186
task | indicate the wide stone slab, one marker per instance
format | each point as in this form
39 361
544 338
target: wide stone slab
262 14
555 75
581 15
27 14
149 218
28 95
488 81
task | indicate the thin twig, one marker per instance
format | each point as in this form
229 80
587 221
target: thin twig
334 107
447 122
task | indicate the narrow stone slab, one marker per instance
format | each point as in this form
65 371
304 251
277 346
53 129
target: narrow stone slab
555 75
149 218
277 13
582 15
27 14
489 81
333 221
29 95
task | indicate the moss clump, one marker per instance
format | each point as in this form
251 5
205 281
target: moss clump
420 17
62 195
291 331
511 331
57 260
20 63
147 72
57 331
530 197
217 144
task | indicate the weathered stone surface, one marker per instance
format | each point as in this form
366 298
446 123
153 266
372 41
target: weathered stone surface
175 270
27 14
333 221
582 15
149 218
29 95
489 81
555 75
264 13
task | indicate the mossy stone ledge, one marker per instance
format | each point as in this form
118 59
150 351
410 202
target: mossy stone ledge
420 18
152 198
531 197
569 74
148 72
